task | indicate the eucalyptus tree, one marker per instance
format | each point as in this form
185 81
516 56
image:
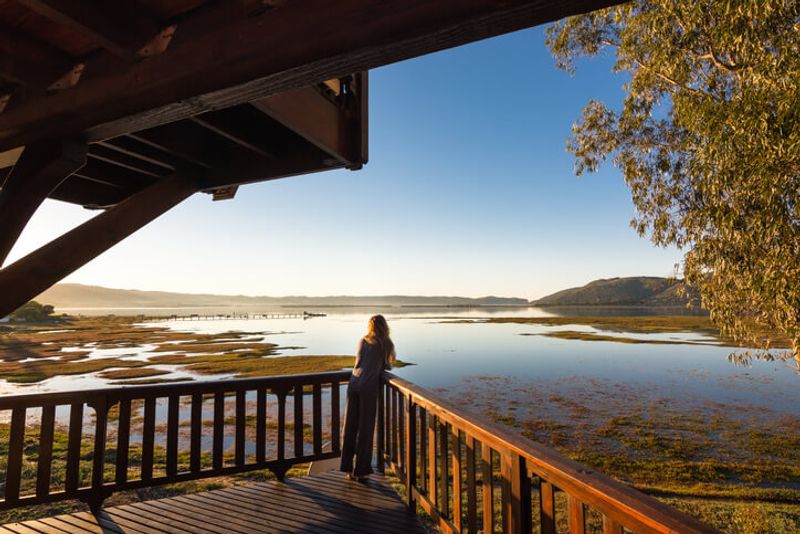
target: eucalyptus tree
708 141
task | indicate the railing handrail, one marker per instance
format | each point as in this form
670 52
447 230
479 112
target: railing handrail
613 498
207 406
116 393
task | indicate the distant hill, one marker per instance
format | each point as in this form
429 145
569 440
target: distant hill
84 296
631 291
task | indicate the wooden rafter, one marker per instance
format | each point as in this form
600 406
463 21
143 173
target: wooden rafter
315 118
31 62
304 160
77 189
39 170
122 27
227 126
266 53
29 276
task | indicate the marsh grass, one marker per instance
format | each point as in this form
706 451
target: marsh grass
635 324
736 467
38 370
33 353
142 372
590 336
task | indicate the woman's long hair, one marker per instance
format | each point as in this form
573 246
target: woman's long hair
378 333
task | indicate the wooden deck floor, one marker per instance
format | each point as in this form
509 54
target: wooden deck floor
326 503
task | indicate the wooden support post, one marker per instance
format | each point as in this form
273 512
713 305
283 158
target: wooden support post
381 451
472 487
29 276
457 479
39 170
520 512
547 507
487 488
411 453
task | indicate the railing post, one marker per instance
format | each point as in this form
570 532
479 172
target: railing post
487 487
575 515
457 485
547 507
472 487
411 452
381 428
423 448
519 511
98 495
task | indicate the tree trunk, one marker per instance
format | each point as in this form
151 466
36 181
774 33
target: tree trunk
796 349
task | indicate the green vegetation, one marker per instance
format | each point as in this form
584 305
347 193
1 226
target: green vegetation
124 374
32 353
646 324
254 364
33 312
589 336
707 139
36 371
145 381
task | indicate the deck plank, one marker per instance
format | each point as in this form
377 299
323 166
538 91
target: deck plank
325 503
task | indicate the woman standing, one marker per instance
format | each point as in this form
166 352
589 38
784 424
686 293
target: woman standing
375 354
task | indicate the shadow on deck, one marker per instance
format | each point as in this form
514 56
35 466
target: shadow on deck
316 503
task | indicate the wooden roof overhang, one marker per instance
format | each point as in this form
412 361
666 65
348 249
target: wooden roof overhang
134 105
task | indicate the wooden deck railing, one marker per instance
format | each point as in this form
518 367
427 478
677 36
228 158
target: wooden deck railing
88 444
471 475
467 473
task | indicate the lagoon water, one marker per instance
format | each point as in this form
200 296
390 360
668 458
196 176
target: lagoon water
451 355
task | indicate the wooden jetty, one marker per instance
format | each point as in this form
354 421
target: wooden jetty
237 316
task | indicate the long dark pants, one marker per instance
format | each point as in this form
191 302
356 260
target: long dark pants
359 429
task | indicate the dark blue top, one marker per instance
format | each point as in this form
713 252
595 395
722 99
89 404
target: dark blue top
370 364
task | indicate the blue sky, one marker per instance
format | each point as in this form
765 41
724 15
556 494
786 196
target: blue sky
469 191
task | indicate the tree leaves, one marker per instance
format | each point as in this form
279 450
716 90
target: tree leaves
718 174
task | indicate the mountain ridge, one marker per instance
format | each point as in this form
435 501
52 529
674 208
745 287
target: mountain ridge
70 295
623 291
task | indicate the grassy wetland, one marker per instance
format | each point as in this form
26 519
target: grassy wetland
112 348
733 465
654 401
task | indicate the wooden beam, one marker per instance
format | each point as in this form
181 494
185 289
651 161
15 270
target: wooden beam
116 175
90 194
315 118
131 147
303 160
9 158
181 141
39 170
29 62
122 28
228 125
29 276
360 87
297 44
115 157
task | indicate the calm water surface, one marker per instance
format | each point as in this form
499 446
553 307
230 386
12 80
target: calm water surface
446 353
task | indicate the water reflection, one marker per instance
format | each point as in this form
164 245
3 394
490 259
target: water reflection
445 353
